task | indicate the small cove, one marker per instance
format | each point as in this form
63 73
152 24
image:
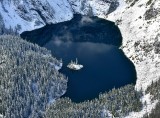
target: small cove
95 42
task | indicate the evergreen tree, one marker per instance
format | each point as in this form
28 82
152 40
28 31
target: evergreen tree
28 78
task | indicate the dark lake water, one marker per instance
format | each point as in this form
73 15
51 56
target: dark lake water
95 43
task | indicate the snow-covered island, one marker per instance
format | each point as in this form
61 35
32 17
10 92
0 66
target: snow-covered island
74 65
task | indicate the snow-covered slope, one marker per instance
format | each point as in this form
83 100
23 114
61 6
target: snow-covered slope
24 15
139 22
31 14
139 25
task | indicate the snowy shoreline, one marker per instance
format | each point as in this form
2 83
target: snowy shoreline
131 20
135 29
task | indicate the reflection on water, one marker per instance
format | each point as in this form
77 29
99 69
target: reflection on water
91 40
105 67
79 29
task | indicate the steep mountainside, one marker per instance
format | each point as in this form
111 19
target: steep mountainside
138 21
23 15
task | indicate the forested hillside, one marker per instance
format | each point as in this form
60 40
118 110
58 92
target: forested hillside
29 80
116 103
30 83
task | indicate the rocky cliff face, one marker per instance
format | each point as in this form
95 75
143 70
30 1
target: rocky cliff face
24 15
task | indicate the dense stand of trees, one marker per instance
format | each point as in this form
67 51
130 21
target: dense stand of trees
29 83
115 103
28 78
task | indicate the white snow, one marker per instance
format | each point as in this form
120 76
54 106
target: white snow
146 69
1 116
134 27
58 67
62 9
131 22
75 66
11 17
13 13
98 7
148 106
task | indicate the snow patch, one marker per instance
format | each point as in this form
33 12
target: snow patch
148 105
57 67
139 36
1 116
29 15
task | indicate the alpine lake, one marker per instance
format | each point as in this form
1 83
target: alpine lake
95 43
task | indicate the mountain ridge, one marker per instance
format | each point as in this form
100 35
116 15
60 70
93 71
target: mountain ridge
20 15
